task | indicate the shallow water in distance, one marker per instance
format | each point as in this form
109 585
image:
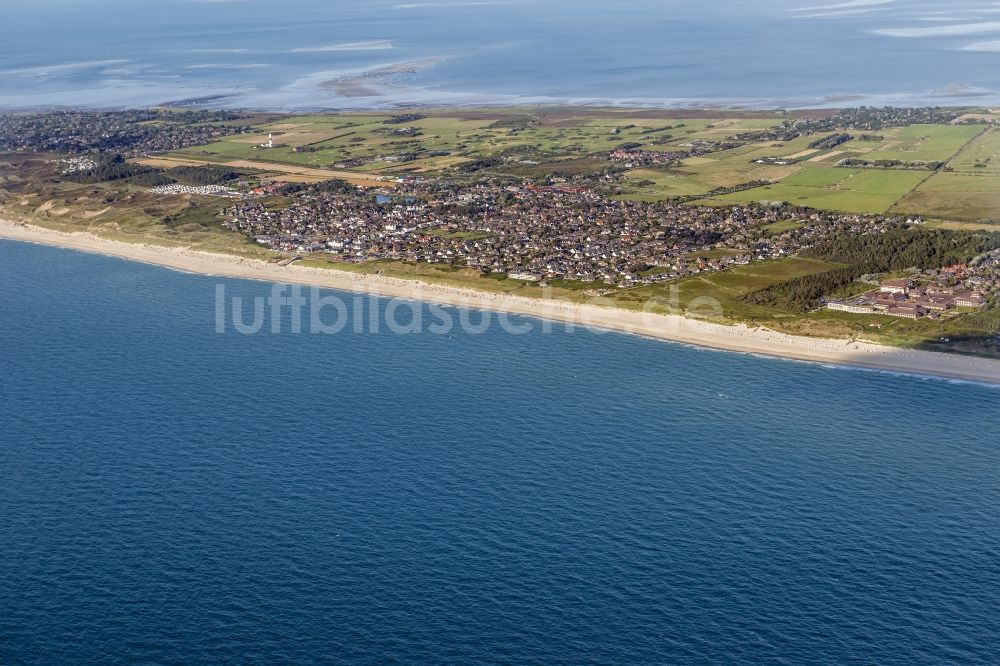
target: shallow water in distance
262 54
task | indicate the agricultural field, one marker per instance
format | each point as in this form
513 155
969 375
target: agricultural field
981 157
655 184
969 192
831 188
924 143
955 196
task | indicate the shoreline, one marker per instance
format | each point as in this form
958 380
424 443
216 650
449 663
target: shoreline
361 98
674 328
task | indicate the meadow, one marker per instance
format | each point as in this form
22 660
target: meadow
967 192
981 157
961 197
924 143
839 189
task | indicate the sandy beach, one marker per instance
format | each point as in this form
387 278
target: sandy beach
666 327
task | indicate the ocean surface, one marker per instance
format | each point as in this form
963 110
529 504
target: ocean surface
318 54
170 494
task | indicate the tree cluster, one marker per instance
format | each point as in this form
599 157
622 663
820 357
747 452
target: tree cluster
876 253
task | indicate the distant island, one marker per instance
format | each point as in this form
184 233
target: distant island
869 224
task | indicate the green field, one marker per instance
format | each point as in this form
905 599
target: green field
955 196
727 168
981 157
969 192
923 143
665 183
831 188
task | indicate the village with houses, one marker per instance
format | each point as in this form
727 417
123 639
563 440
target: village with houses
536 233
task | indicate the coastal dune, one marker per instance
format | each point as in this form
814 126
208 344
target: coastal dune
739 338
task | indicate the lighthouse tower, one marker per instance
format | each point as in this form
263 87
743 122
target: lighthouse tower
270 140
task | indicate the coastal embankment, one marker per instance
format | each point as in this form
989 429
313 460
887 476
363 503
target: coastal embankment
739 338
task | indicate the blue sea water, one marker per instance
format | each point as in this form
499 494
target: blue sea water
277 55
169 494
